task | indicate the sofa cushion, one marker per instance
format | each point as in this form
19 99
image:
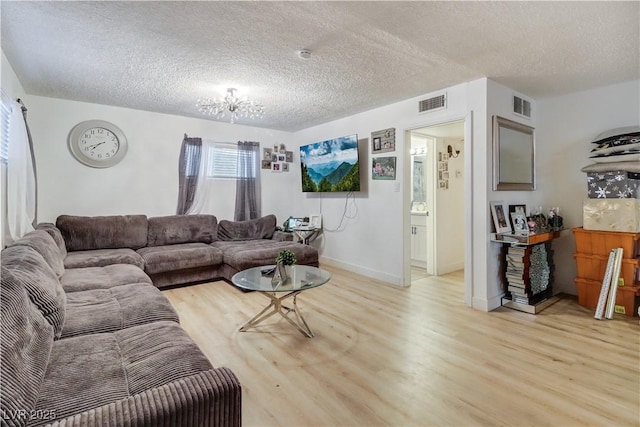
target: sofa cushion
261 228
119 307
247 254
88 278
159 259
26 339
83 233
41 283
53 231
103 257
44 244
176 229
88 371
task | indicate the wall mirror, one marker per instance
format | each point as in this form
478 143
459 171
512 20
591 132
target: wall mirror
513 156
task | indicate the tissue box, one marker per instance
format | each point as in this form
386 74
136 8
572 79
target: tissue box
622 215
613 185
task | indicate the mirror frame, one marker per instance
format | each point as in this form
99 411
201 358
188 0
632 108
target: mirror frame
499 184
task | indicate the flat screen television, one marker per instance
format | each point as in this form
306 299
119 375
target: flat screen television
331 165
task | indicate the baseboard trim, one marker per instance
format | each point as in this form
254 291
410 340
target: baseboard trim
378 275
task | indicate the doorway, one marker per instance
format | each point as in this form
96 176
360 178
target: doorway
437 199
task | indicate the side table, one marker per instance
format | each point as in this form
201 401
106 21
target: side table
526 271
306 235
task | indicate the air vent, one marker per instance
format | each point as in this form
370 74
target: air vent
521 106
435 103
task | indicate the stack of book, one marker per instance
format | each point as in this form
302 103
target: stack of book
517 274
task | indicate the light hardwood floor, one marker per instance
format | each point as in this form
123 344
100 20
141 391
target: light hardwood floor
417 356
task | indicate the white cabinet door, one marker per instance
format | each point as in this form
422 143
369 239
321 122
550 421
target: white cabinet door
419 241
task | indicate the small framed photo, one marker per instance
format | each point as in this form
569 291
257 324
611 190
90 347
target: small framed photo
283 149
281 158
266 153
275 167
285 167
521 209
377 144
315 221
383 168
519 221
500 220
274 157
289 156
266 164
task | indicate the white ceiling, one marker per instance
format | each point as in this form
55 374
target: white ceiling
163 56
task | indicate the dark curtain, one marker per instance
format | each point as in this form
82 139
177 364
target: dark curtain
33 160
188 168
248 194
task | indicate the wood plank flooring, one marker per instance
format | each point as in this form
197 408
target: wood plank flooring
417 356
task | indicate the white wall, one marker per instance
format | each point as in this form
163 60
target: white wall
450 215
500 103
146 181
566 126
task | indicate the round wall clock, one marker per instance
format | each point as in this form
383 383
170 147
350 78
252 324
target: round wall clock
97 143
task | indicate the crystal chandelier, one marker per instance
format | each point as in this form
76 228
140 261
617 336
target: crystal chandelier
237 107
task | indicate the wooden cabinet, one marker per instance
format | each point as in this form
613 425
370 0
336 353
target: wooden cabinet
419 241
592 253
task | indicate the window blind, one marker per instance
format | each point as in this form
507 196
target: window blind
223 161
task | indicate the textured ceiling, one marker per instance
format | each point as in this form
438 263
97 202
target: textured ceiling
163 56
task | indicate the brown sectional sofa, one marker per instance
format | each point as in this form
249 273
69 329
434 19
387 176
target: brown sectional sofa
176 249
99 350
88 340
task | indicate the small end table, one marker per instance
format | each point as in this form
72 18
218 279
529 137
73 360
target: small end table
306 235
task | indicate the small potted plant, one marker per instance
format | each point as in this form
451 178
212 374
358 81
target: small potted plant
286 257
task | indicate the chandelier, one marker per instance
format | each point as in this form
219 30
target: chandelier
236 107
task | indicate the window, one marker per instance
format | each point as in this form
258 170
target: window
221 161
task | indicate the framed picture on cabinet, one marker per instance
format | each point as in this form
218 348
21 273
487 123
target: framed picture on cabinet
500 219
519 221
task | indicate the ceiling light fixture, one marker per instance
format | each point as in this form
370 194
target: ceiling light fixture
237 107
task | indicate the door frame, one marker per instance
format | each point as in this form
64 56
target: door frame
468 200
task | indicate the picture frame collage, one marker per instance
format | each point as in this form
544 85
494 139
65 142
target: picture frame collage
277 159
443 170
383 168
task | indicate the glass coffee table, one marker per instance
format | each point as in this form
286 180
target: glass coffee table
301 278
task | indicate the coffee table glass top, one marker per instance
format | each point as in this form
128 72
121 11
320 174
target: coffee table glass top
301 277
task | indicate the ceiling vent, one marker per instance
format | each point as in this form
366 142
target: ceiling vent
435 103
521 107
